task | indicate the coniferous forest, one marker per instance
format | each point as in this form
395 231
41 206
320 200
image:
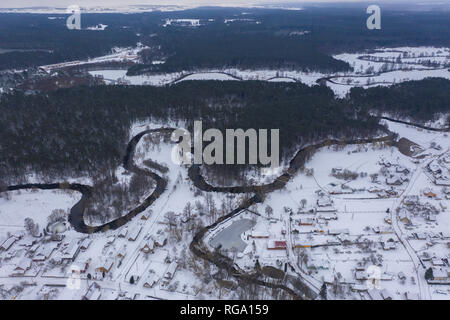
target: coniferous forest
78 131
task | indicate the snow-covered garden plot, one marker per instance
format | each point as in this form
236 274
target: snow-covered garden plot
16 206
360 171
426 139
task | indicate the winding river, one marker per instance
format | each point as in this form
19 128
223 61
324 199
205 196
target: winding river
76 217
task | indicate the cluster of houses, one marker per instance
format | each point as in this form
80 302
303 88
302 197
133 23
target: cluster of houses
440 267
395 174
439 169
413 207
369 286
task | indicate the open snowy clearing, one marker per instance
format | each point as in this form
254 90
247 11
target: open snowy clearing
383 67
34 204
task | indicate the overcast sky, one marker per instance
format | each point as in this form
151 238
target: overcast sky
106 3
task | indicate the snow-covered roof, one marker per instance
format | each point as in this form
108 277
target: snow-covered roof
8 243
24 264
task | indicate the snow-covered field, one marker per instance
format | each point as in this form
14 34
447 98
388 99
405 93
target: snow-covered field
384 67
15 206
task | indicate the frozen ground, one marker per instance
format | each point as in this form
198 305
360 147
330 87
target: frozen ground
384 67
15 206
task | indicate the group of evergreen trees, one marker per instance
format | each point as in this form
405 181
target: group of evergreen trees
79 131
417 100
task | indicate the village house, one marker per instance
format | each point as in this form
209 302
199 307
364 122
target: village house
276 245
442 181
82 267
437 262
27 242
335 232
394 181
439 274
106 266
134 233
400 169
403 216
429 194
121 253
145 216
151 280
306 222
45 251
304 245
160 240
328 216
384 163
375 189
149 246
361 275
23 266
324 202
110 240
434 168
170 272
123 232
259 235
359 287
411 200
85 244
382 229
388 245
420 235
33 248
71 252
7 244
446 190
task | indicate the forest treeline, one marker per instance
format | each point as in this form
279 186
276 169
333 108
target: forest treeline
83 130
416 100
77 131
30 40
303 39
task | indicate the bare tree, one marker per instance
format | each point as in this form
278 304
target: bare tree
31 227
